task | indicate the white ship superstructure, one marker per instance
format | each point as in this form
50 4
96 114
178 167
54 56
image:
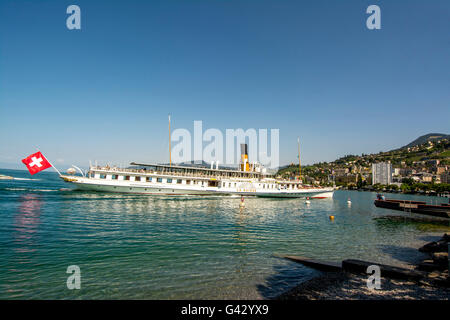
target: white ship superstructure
158 179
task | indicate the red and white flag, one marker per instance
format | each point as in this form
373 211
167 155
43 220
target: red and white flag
36 163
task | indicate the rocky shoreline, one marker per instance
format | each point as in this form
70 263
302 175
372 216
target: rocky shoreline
433 284
437 264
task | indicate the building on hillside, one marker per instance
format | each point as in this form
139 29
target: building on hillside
382 173
433 162
425 177
441 169
347 179
437 178
340 171
445 177
405 172
397 179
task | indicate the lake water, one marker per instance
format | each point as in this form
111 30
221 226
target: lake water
151 247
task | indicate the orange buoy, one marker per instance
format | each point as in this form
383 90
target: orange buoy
331 217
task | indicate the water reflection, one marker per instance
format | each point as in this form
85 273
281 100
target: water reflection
26 222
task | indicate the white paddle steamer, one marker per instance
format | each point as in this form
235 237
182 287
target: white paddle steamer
158 179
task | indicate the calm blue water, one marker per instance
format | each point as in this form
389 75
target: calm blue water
141 247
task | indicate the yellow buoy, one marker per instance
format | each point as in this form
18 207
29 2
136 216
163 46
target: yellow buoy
331 217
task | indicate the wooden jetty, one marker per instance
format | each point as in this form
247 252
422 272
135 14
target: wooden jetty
419 207
316 264
358 266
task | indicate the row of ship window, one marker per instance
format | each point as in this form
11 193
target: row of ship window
264 186
180 181
148 179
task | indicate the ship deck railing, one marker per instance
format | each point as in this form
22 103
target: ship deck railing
188 174
172 173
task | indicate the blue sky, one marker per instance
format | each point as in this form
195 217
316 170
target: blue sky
309 68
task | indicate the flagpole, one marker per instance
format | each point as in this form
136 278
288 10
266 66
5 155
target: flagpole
51 164
299 162
54 168
170 151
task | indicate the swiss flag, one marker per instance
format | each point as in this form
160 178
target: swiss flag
36 163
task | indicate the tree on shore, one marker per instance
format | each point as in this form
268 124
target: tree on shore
359 184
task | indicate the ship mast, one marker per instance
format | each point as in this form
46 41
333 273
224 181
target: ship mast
170 149
299 163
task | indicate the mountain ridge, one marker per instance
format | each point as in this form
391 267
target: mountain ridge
426 138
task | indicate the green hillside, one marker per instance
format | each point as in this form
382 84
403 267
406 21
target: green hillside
415 156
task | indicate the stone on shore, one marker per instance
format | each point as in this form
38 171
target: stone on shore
440 258
437 246
429 265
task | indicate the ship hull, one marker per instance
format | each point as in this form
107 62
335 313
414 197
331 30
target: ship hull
87 184
313 193
150 190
